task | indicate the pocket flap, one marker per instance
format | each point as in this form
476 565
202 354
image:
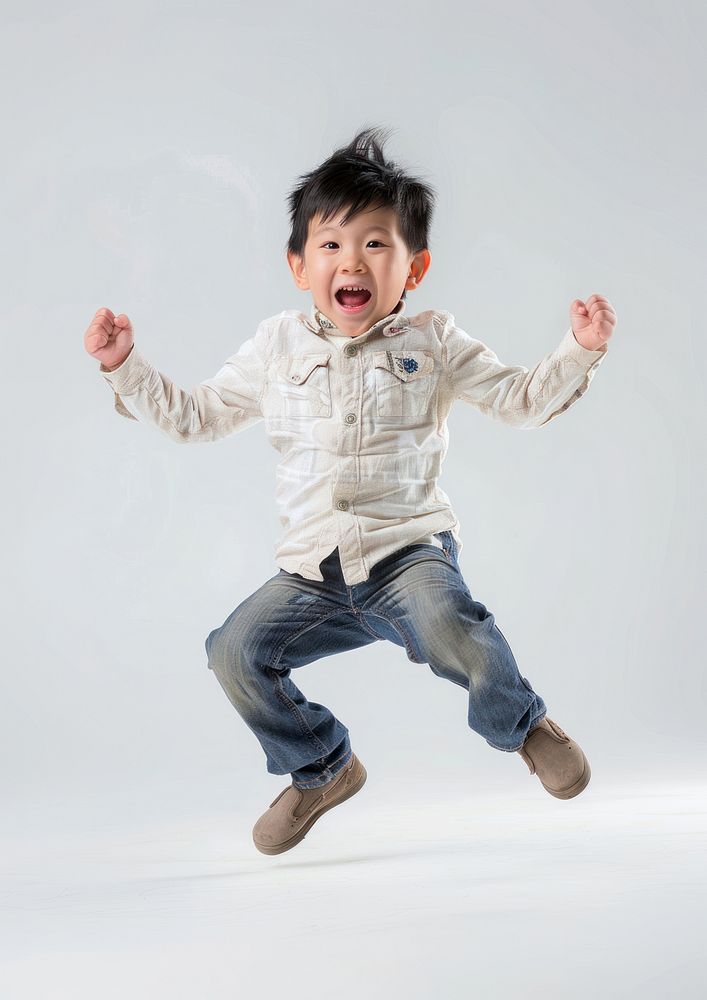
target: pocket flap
298 369
407 365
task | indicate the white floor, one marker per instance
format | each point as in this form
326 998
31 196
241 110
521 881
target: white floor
485 896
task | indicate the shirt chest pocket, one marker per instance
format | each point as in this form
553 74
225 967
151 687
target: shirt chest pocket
303 385
404 381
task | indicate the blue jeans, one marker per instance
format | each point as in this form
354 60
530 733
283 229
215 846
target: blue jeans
416 598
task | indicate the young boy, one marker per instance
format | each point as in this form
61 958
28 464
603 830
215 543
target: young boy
355 396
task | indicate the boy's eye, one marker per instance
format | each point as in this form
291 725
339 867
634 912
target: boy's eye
331 243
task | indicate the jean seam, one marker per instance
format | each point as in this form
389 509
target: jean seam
345 756
431 545
301 722
299 718
525 683
367 627
534 722
407 642
348 754
505 749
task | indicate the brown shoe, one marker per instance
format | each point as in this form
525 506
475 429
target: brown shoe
557 760
291 815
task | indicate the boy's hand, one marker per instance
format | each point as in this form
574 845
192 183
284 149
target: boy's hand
593 321
109 338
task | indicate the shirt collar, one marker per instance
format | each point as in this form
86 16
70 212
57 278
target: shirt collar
317 322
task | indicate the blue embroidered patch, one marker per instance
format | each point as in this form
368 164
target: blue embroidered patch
408 364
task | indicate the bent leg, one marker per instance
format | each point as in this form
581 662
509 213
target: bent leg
421 602
286 623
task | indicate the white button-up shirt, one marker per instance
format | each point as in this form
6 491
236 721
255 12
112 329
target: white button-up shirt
360 422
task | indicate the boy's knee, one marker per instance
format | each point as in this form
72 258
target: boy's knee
228 657
209 640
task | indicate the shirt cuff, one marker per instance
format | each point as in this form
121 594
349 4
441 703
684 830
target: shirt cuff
129 375
571 348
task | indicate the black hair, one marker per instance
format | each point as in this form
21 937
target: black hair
358 176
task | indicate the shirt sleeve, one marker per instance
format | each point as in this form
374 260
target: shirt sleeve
521 397
228 402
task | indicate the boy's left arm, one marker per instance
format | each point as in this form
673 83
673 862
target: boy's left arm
527 398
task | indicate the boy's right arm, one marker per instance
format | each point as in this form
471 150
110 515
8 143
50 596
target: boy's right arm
228 402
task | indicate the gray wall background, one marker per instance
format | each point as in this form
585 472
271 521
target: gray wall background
148 152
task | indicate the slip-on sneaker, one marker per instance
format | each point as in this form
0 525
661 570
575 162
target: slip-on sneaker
557 760
292 814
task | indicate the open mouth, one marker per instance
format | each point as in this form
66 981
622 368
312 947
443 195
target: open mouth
352 300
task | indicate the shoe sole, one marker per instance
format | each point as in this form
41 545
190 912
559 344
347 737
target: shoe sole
577 787
301 834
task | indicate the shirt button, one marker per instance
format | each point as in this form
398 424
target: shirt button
295 378
350 418
342 504
350 350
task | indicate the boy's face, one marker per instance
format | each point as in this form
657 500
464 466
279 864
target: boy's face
367 251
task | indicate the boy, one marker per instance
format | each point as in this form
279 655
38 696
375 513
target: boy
355 396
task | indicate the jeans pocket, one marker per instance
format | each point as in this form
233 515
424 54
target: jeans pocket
447 541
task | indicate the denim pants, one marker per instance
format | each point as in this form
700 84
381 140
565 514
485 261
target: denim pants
416 598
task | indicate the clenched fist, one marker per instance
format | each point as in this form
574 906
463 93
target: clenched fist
593 321
109 338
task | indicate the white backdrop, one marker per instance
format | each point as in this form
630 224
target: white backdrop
148 152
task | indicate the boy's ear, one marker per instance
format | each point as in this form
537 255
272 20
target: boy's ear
419 266
298 270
